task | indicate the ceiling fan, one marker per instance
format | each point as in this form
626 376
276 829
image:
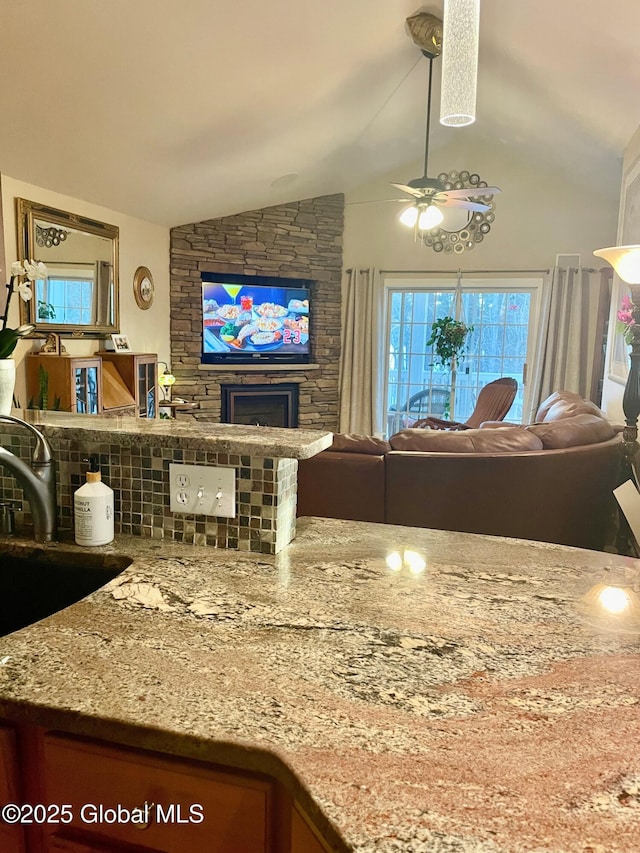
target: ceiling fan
431 194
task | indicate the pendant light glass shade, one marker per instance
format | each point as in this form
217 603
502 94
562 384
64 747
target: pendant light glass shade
429 217
625 260
461 28
423 215
409 216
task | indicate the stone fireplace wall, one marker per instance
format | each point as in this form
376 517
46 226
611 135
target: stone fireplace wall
301 239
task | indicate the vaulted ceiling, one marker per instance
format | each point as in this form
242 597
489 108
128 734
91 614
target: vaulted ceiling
180 110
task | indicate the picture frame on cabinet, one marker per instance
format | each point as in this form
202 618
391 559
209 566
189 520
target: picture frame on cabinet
121 343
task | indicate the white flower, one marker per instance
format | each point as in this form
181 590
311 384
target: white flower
24 290
21 331
17 268
34 270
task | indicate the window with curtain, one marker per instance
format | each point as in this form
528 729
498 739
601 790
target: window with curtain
503 313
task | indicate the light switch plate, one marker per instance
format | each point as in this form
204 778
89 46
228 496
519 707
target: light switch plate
202 490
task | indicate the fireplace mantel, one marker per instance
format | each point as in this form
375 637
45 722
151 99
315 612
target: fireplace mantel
260 368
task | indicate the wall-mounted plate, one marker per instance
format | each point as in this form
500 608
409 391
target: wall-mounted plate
143 289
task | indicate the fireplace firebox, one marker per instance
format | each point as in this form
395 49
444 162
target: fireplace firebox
260 405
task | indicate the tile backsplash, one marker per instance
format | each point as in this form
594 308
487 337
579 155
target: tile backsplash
266 491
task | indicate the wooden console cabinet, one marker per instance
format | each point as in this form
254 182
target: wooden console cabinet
106 382
65 383
107 798
139 373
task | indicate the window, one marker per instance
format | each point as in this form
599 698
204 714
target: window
502 312
65 300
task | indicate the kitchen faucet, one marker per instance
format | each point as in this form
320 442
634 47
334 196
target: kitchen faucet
38 480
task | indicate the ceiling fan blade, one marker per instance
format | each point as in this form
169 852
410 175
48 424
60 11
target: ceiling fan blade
472 192
480 191
410 190
463 204
381 201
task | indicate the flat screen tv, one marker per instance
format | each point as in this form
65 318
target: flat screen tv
253 319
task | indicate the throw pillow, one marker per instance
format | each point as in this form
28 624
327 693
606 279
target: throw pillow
565 404
573 432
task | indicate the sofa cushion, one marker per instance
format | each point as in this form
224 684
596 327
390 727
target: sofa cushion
352 443
565 404
507 440
573 432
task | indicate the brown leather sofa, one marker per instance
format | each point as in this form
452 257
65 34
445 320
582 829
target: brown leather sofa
551 481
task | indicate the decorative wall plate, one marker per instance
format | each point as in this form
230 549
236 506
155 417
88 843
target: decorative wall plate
477 225
143 289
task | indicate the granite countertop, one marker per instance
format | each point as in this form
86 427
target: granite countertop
482 705
188 435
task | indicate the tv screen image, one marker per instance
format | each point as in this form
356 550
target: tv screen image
253 320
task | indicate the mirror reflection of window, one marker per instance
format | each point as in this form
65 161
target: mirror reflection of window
69 295
81 256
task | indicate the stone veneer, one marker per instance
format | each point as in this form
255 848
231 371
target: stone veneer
266 491
301 239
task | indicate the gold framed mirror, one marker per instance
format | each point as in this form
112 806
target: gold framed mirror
80 296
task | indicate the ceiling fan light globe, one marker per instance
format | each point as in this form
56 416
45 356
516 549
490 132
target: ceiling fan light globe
429 217
409 216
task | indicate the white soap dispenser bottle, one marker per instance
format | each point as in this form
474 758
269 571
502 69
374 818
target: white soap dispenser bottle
93 508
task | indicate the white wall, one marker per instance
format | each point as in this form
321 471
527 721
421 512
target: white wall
613 386
539 214
141 244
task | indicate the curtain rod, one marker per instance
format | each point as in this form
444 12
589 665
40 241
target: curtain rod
455 272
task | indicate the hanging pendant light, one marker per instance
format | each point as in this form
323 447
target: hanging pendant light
461 28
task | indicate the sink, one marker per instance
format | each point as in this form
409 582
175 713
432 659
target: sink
38 583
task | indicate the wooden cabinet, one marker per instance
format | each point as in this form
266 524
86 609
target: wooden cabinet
157 802
139 373
304 838
65 383
11 835
106 382
70 845
109 798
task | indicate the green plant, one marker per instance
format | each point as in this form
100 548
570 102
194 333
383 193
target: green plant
42 402
46 311
448 338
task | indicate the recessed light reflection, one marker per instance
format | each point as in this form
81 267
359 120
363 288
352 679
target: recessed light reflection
614 599
411 560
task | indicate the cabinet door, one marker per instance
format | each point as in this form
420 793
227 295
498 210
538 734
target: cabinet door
147 399
303 838
191 808
60 844
11 836
86 379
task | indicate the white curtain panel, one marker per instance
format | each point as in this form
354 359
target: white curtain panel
570 340
360 391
